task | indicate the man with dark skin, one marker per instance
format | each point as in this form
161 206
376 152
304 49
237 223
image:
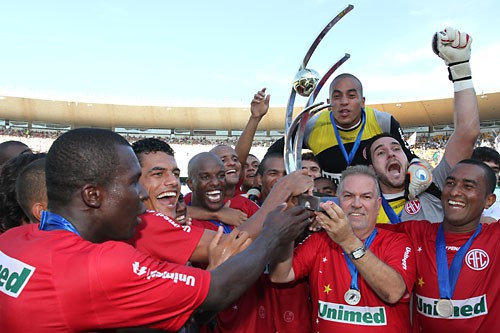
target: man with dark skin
9 149
89 282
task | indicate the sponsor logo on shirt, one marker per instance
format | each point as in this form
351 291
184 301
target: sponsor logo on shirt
413 207
462 308
355 315
14 275
185 228
405 258
189 280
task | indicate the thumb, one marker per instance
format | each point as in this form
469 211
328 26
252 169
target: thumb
228 204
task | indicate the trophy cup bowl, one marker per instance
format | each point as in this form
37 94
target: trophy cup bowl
305 81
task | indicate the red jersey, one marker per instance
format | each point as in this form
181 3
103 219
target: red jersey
161 237
239 202
476 300
322 260
57 281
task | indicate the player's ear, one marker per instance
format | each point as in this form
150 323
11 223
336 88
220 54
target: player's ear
189 183
490 200
92 195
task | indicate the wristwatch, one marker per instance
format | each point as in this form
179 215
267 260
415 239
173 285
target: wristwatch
358 253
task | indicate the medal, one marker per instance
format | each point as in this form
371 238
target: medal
352 296
444 308
447 278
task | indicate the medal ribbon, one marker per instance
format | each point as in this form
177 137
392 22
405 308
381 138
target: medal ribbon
391 214
447 279
52 221
355 147
227 228
352 268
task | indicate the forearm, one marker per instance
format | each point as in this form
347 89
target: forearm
281 265
466 120
279 194
199 213
386 282
244 143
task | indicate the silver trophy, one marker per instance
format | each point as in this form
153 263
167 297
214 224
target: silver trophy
307 84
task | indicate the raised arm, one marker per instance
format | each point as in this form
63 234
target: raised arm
384 280
234 276
291 185
454 47
258 109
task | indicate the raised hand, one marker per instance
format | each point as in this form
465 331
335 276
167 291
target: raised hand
231 216
260 104
420 176
454 47
286 224
221 249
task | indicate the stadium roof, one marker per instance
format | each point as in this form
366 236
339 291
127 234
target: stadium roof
79 114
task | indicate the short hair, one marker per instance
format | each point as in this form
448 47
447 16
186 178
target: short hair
30 186
309 156
151 145
11 213
5 150
194 162
368 153
344 76
78 157
486 154
269 155
489 175
359 170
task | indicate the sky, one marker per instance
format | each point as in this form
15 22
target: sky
219 53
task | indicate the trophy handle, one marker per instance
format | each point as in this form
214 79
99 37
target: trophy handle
293 149
325 78
305 61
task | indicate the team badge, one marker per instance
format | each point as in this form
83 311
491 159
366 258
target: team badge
288 316
413 207
477 259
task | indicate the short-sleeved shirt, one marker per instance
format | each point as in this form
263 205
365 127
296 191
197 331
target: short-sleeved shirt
161 237
322 260
238 202
57 281
320 137
476 299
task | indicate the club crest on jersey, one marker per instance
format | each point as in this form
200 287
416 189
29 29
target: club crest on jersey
477 259
413 207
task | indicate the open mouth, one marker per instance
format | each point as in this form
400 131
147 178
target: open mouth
214 196
344 112
394 168
454 203
356 214
168 197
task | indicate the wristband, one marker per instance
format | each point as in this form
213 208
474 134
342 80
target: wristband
462 85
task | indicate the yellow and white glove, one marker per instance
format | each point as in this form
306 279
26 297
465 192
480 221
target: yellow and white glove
454 48
420 177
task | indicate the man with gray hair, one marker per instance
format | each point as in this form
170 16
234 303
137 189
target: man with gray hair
360 276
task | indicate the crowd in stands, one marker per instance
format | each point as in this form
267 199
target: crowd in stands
428 147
